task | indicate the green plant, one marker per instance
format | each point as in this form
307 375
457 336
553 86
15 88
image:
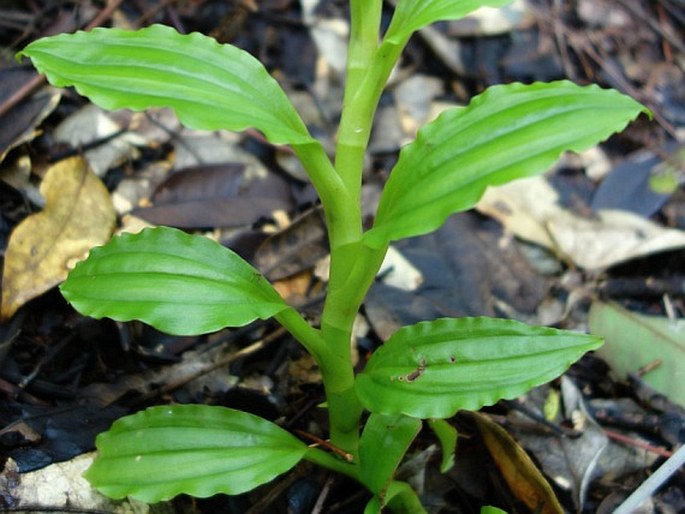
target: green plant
184 284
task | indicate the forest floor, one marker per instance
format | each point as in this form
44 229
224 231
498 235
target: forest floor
597 244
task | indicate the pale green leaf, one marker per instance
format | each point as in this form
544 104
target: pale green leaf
209 85
433 369
383 443
447 435
635 340
509 132
412 15
199 450
178 283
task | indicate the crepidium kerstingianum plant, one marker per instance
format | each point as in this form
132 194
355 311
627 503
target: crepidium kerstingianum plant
185 284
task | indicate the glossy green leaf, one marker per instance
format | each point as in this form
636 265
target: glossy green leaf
209 85
433 369
447 435
509 132
179 283
412 15
200 450
383 443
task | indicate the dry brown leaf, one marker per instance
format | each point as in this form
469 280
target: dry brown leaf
529 208
42 249
523 477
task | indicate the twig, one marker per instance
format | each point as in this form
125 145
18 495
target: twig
37 80
318 506
24 91
321 442
104 15
616 436
653 483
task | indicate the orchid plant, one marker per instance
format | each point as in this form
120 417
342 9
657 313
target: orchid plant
188 284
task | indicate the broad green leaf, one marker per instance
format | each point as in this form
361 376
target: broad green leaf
635 340
509 132
209 85
179 283
383 443
433 369
412 15
447 435
199 450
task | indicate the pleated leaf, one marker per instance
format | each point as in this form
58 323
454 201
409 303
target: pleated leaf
179 283
199 450
412 15
433 369
509 132
210 86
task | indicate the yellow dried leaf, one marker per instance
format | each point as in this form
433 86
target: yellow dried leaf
78 215
523 477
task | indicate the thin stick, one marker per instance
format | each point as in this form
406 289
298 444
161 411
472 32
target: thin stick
655 481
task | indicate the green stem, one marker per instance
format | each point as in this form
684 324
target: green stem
307 335
355 126
331 462
335 196
353 265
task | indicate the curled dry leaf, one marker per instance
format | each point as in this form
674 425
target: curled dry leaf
529 208
517 468
78 215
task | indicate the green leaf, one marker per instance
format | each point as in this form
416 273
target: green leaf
200 450
383 443
179 283
412 15
491 510
509 132
635 340
447 435
402 499
209 85
433 369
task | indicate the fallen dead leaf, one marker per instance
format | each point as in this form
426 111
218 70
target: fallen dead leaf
78 215
524 479
570 462
634 340
61 488
529 208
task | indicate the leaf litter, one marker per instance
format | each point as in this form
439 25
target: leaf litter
445 66
78 215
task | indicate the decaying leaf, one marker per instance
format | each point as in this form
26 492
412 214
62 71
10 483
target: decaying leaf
517 468
530 210
570 462
91 124
78 215
634 340
62 486
21 121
